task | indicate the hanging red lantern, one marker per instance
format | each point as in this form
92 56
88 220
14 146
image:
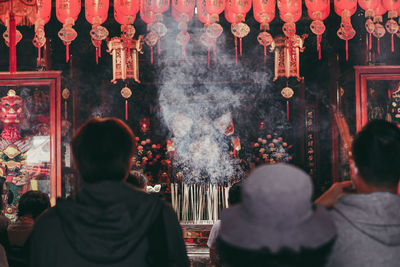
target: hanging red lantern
96 12
290 12
39 19
345 9
212 29
67 11
391 25
379 29
238 6
183 12
214 8
369 6
318 11
264 13
151 13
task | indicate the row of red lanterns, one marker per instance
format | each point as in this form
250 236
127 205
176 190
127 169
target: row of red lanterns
208 11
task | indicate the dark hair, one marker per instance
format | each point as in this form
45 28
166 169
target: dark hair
232 256
33 203
102 149
235 193
376 150
137 179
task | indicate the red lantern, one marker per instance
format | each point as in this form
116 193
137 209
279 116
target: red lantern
379 30
318 10
214 8
96 12
369 6
345 9
183 12
151 13
126 7
264 13
67 11
391 26
39 19
238 6
289 6
212 30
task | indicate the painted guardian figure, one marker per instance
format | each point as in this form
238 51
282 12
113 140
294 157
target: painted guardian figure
13 150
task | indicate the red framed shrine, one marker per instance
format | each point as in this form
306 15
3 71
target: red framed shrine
39 129
376 87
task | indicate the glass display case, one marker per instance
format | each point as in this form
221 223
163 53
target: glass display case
30 141
377 94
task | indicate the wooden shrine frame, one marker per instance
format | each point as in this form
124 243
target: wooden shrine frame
52 79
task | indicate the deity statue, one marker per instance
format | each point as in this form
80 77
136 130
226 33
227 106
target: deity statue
13 150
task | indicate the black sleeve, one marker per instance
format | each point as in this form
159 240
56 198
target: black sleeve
176 245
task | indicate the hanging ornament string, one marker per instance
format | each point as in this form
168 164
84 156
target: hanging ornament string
287 110
126 93
65 94
287 93
13 48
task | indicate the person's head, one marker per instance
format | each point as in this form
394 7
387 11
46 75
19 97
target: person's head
102 149
137 179
376 150
33 203
234 195
275 221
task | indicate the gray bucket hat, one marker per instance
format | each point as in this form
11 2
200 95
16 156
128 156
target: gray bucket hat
276 212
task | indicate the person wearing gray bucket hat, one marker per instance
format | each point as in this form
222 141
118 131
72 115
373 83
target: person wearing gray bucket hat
276 215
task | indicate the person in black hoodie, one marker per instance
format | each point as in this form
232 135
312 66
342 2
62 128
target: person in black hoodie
109 223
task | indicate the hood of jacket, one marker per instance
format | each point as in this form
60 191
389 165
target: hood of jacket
375 215
107 220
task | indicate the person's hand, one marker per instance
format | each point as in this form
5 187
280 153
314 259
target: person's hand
332 195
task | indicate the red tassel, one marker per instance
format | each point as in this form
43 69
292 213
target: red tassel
236 52
39 59
287 110
319 37
65 109
379 47
208 59
183 53
67 52
151 55
240 45
97 55
392 44
159 47
13 44
126 109
99 48
347 50
370 42
265 52
389 95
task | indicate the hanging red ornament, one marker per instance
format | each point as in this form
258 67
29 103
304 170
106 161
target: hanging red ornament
318 11
379 29
40 18
67 11
183 12
264 13
126 93
65 94
345 9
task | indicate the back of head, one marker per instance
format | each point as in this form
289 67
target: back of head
33 203
102 149
376 151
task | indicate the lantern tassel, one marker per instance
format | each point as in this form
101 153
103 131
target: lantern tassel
392 44
240 46
287 110
13 45
39 61
65 109
319 37
347 50
208 59
67 52
159 47
97 55
151 55
99 48
183 53
370 42
265 52
236 52
126 109
379 47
